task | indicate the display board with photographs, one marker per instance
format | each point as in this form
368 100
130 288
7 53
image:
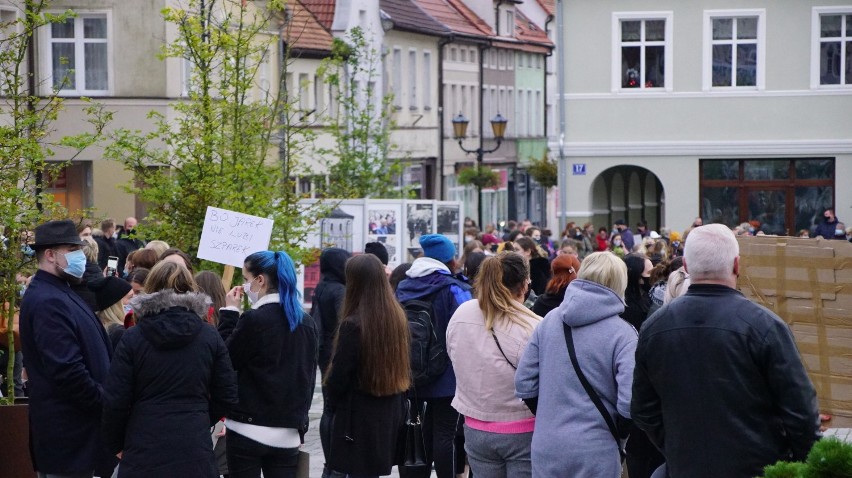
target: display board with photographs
419 221
396 223
449 223
383 226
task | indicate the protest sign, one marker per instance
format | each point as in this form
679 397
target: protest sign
228 237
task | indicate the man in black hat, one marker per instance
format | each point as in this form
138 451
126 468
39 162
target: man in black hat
66 355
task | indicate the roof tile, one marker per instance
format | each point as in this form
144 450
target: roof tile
408 16
527 31
450 14
304 31
323 10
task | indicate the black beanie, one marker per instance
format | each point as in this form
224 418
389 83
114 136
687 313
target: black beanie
377 249
108 291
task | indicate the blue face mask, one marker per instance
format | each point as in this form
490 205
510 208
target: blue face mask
76 263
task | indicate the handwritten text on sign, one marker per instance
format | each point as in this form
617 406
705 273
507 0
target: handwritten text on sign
229 237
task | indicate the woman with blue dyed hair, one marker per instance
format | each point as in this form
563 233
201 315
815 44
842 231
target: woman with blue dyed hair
273 348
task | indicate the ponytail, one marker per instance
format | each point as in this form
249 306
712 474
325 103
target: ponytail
499 280
279 268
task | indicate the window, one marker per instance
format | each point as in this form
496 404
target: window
832 47
304 98
8 25
427 80
509 26
642 56
332 101
397 78
264 74
78 55
463 52
784 195
319 95
186 76
733 49
452 54
412 80
473 55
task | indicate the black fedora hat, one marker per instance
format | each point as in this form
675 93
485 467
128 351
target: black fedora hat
54 233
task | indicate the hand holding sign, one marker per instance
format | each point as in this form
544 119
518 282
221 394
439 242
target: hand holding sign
229 237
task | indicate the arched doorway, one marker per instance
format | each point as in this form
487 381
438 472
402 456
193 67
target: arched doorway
631 193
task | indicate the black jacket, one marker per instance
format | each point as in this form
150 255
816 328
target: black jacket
328 300
106 248
539 274
124 245
720 388
276 368
547 302
365 427
167 373
92 273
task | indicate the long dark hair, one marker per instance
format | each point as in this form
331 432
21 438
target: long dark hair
635 267
369 301
528 245
278 268
211 284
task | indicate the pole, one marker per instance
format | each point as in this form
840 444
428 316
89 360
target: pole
228 277
560 80
479 187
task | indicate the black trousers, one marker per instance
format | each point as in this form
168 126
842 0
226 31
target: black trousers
247 458
439 434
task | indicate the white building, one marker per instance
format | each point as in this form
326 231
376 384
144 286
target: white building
727 110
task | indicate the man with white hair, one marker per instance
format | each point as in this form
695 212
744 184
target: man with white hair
718 384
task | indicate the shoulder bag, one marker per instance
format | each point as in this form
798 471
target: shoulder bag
596 399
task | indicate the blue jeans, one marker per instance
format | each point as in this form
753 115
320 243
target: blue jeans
247 458
498 455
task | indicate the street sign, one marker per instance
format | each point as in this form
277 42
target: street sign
579 169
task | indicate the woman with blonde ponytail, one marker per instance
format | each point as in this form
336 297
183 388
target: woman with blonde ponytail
486 338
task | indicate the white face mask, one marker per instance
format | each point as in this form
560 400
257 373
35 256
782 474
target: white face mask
616 242
252 296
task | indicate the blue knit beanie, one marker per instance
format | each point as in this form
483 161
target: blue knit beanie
438 247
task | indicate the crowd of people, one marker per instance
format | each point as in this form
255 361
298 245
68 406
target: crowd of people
520 356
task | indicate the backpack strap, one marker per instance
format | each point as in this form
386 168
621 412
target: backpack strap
596 399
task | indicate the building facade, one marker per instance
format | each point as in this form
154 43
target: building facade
728 111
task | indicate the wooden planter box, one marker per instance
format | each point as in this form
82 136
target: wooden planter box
15 459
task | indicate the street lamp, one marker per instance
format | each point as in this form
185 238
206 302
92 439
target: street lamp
498 127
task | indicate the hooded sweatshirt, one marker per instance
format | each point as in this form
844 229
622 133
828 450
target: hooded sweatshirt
571 437
328 300
430 280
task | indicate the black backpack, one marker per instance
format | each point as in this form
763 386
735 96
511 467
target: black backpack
429 356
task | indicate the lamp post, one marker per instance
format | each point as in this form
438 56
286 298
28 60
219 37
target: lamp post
498 127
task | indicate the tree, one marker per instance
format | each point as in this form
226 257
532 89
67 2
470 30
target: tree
360 163
219 149
26 144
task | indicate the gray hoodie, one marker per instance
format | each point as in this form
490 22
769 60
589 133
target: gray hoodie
571 437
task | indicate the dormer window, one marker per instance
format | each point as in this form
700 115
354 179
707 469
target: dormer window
508 27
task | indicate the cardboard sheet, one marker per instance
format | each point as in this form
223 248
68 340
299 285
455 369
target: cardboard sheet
808 283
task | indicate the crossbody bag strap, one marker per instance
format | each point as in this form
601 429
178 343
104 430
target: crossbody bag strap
501 350
596 399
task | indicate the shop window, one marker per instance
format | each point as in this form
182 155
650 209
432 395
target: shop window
784 195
